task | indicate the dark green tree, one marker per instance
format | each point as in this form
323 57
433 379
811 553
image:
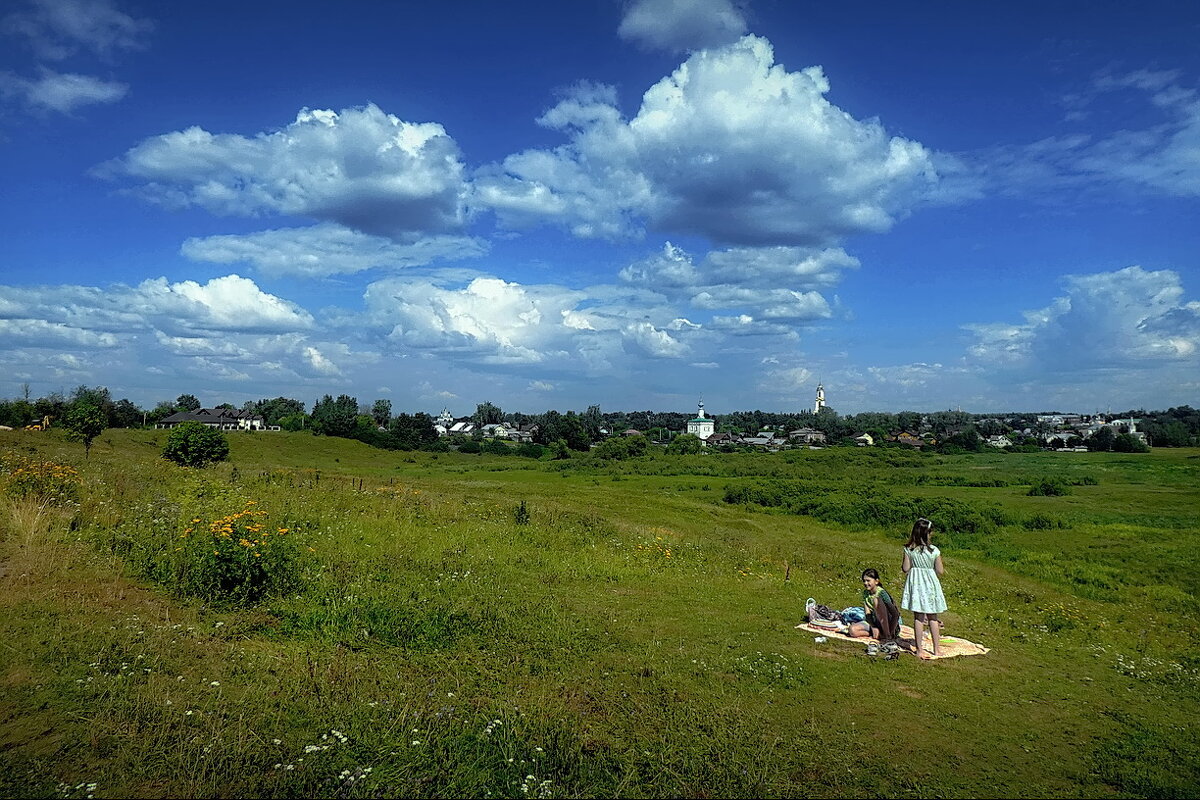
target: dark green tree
1102 440
274 410
487 414
381 412
335 417
187 402
125 414
685 444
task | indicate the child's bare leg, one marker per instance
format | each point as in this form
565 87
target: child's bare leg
859 630
919 633
935 630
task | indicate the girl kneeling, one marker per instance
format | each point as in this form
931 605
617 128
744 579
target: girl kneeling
883 618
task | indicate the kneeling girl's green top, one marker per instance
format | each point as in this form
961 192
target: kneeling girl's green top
869 599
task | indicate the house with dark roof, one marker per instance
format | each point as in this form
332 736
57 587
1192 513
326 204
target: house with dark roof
224 419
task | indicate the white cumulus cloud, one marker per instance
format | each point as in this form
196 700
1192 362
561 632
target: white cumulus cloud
731 146
1128 319
359 167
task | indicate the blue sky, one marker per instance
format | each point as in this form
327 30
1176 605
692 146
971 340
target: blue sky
549 205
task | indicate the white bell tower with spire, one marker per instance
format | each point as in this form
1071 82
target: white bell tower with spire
820 402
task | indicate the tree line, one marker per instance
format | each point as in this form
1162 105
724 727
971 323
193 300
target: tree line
375 423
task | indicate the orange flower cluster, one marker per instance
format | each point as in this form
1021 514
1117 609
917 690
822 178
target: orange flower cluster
250 529
47 480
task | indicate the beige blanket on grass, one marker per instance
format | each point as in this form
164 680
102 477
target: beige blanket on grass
951 645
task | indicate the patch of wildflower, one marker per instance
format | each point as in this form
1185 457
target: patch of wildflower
326 742
532 787
44 481
657 550
1156 670
237 558
86 790
773 669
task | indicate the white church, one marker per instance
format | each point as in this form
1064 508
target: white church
701 426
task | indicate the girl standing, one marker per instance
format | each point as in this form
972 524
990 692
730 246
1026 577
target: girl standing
922 586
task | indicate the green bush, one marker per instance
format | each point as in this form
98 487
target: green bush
195 445
235 560
1049 488
530 450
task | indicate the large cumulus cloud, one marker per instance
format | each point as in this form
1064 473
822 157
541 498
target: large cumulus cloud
731 146
359 167
1129 319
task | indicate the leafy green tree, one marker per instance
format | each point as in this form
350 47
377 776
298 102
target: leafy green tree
381 412
85 421
487 414
274 410
125 414
617 448
685 444
1128 443
530 450
292 422
335 417
1102 440
161 411
413 432
193 444
575 433
98 396
593 421
187 402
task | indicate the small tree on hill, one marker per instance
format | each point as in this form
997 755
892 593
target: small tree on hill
193 444
85 421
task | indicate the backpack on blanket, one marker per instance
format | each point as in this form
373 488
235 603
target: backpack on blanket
818 612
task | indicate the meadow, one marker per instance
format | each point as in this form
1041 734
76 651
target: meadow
376 624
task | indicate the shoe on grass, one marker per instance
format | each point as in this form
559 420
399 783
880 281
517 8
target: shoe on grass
872 648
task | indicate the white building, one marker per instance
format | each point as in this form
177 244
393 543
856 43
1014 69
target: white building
820 402
701 427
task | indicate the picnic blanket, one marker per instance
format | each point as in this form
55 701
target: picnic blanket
951 645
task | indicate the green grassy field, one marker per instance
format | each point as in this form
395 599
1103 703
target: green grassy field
634 638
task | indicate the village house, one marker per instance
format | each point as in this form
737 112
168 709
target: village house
224 419
807 436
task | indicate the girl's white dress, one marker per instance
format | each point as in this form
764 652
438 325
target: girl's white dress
922 589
